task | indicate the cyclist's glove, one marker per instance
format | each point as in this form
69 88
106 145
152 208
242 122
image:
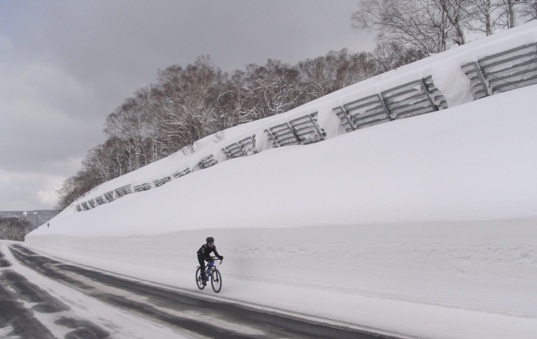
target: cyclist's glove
221 257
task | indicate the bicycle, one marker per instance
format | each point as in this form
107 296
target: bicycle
211 273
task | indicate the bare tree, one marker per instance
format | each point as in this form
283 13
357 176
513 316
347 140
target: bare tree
515 10
487 16
456 14
14 228
528 10
191 95
512 10
334 71
73 188
508 7
481 16
429 26
390 55
272 89
231 109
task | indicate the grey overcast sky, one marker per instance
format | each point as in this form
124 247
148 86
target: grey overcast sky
65 65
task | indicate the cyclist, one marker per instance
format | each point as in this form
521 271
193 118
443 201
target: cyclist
204 255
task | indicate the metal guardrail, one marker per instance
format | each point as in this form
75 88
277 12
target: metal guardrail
240 148
504 71
162 181
414 98
142 187
363 112
300 131
123 191
207 162
182 173
109 196
100 200
410 99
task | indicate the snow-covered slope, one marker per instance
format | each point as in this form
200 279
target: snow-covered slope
424 226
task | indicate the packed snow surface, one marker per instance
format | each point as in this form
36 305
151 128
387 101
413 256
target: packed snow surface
425 226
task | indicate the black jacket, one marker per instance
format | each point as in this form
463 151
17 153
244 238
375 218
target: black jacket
205 251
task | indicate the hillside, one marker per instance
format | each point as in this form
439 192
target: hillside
425 220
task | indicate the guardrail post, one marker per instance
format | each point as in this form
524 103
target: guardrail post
317 127
346 115
386 109
481 78
295 134
426 91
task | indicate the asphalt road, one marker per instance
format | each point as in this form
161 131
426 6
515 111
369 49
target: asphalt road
181 310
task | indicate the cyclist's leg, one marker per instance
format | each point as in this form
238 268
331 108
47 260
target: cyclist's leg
202 265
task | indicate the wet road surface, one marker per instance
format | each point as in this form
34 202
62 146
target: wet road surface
17 293
189 314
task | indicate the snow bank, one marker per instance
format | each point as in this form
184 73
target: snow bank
427 220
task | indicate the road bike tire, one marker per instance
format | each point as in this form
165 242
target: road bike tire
216 281
199 281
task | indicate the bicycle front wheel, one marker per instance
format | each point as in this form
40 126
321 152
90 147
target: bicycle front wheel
216 281
199 281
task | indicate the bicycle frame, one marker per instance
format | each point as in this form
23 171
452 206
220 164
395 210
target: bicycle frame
209 269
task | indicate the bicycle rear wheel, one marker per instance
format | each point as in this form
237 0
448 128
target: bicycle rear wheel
216 281
199 281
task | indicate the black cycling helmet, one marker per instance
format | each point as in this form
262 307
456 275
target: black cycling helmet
210 239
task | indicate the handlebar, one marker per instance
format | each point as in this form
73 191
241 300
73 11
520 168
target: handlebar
212 259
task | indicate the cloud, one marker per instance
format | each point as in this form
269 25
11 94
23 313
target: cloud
34 189
45 117
49 196
66 65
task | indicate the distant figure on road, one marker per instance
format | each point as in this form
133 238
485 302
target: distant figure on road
204 254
